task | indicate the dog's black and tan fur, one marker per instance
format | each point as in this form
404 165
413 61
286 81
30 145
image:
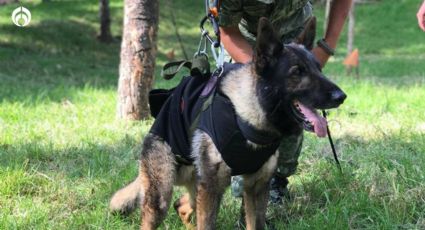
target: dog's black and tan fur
263 94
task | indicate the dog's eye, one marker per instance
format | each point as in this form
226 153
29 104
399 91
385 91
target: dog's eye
295 70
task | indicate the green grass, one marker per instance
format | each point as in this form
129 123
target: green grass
63 152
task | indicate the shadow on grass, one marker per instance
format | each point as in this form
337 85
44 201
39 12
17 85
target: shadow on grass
53 59
56 55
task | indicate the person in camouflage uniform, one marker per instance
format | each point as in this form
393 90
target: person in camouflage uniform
238 20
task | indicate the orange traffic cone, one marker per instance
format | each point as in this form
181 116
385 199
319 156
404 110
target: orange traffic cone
170 55
352 61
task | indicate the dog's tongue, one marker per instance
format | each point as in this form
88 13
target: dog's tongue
316 120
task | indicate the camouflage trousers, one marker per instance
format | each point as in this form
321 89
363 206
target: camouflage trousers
289 151
288 27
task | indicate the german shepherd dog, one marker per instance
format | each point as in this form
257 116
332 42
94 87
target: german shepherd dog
277 93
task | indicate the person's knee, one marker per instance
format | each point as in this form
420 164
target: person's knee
287 170
289 151
290 148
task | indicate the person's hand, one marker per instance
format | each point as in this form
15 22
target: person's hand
320 55
421 16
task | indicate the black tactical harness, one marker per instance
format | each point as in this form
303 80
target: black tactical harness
197 103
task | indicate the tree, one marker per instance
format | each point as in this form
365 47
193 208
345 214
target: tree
3 2
327 10
351 24
138 52
105 21
352 59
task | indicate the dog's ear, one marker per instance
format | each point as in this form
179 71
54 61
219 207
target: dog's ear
268 46
307 36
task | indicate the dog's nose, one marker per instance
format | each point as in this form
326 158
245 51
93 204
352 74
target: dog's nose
338 96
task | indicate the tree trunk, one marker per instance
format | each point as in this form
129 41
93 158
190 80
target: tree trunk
351 23
4 2
327 10
138 52
105 21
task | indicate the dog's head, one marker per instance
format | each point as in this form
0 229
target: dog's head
291 82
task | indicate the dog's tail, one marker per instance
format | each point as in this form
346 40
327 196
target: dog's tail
126 200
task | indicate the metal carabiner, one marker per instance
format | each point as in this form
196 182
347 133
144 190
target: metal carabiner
202 47
218 55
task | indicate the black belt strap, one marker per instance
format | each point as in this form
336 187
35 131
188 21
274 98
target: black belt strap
254 135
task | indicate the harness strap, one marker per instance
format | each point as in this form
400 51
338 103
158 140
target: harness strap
204 107
182 161
254 135
172 68
211 90
211 93
199 66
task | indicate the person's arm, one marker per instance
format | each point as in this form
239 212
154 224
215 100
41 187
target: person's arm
230 15
337 15
421 16
235 44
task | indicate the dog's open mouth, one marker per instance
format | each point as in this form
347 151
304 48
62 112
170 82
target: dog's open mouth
310 119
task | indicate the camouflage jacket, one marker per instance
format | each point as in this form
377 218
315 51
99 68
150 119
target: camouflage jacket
287 16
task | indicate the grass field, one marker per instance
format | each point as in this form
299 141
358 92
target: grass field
63 152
